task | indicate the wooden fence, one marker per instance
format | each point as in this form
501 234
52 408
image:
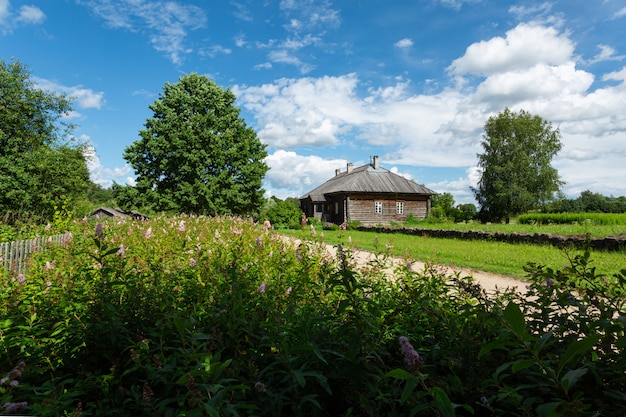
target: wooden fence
14 255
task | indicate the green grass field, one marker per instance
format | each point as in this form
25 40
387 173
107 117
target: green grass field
595 230
495 257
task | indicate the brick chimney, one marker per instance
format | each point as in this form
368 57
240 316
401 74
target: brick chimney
375 164
337 172
349 167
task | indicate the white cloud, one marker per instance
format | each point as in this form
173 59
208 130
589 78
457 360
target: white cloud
444 129
523 12
607 53
30 15
404 43
264 65
25 15
214 50
457 4
620 13
523 47
538 82
166 23
312 171
282 56
459 188
100 174
85 97
616 75
310 14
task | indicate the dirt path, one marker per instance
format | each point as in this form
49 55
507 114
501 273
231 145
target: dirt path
487 280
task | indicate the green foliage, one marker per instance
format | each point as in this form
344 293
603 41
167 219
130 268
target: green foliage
443 209
39 166
196 155
573 218
99 196
282 213
214 316
516 172
563 344
588 202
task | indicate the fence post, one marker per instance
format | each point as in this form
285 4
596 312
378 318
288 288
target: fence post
15 254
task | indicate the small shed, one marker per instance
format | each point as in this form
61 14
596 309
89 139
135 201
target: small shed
107 212
369 194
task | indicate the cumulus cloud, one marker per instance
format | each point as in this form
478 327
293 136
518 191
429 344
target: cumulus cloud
532 67
166 23
24 16
100 174
523 47
312 171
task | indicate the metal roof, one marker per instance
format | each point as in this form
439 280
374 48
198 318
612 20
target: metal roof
367 179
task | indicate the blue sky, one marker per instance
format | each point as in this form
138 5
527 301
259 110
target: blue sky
327 82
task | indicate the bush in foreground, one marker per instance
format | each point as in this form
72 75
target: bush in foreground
214 316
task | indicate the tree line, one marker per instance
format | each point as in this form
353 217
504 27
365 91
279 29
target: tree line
196 154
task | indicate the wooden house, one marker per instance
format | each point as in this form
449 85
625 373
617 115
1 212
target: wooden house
369 194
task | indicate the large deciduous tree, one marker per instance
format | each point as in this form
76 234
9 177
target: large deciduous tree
196 154
517 175
41 167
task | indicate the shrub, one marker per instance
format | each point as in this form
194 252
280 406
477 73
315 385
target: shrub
214 316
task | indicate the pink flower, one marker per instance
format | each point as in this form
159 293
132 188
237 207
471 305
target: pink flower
262 287
181 226
121 251
50 265
411 358
47 228
261 387
192 262
148 233
99 231
13 407
289 290
21 279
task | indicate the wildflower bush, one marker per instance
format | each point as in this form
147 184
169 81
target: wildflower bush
202 316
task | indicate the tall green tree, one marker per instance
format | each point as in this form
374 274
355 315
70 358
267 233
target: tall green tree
41 166
196 154
517 175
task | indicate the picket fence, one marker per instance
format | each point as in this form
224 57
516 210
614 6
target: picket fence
14 255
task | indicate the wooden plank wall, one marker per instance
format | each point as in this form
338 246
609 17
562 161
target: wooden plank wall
362 209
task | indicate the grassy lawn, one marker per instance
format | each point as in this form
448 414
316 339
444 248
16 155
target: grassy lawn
495 257
557 229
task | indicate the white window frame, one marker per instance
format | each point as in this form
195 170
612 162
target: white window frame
378 207
399 207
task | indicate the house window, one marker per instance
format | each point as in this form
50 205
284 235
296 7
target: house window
378 207
336 208
319 208
399 207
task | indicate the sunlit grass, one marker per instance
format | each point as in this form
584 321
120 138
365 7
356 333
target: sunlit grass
496 257
556 229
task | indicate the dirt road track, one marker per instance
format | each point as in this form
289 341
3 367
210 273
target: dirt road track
487 280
